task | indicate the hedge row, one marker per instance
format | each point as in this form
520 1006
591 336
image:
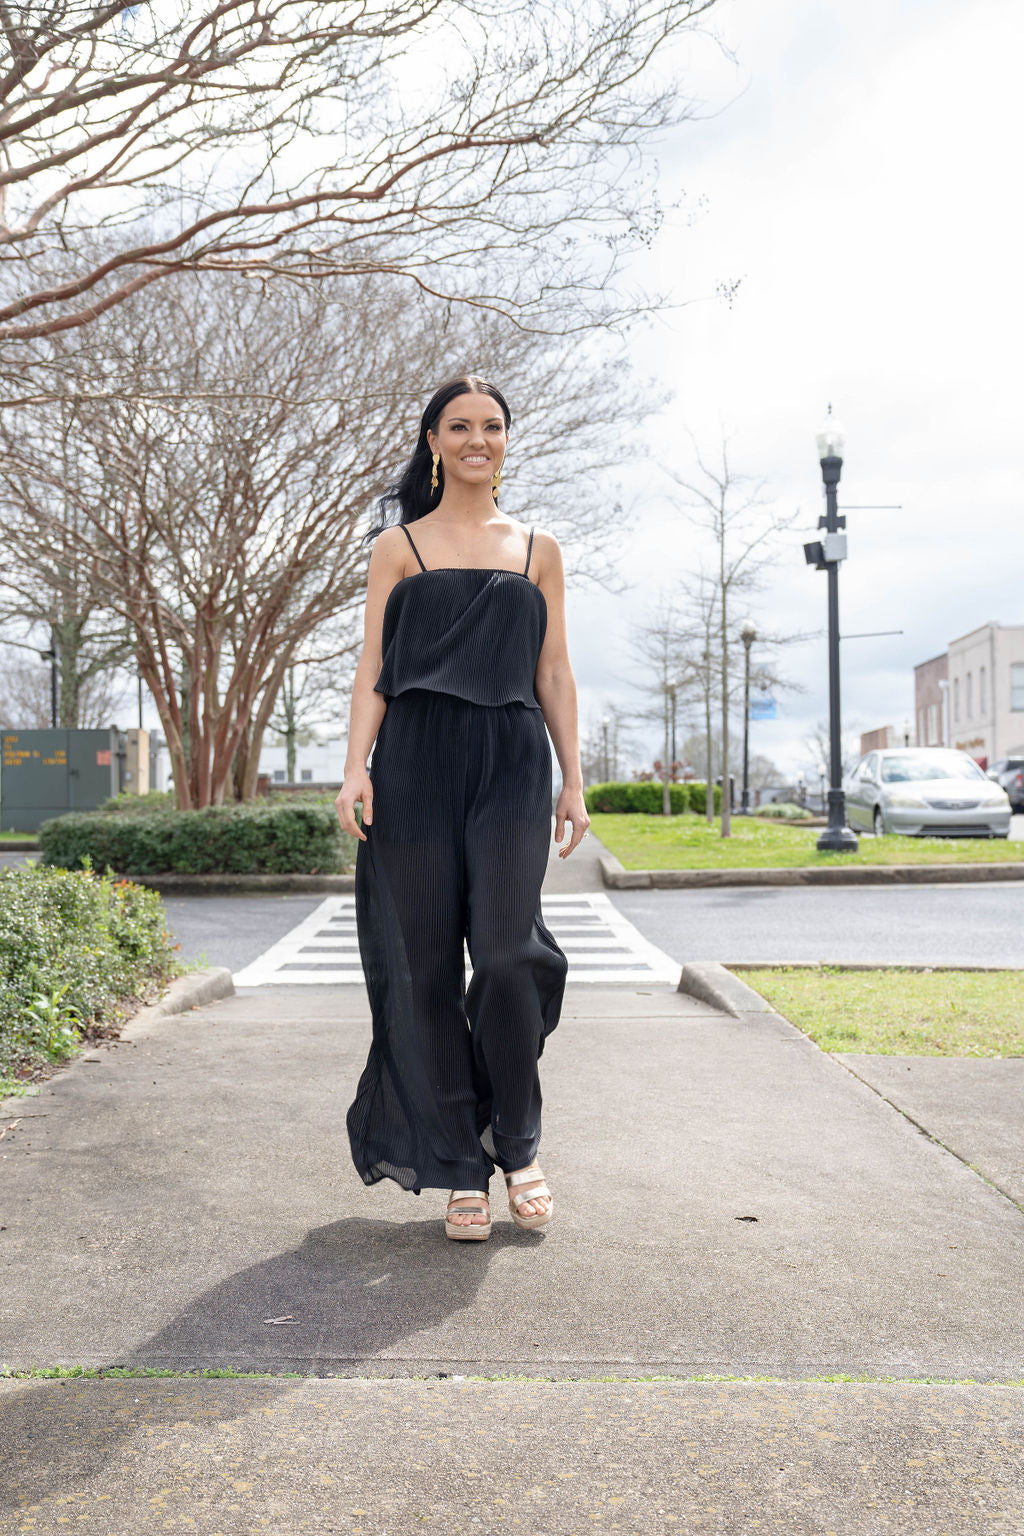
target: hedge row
78 953
647 798
228 839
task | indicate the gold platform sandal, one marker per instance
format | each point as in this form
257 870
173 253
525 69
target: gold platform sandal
526 1176
471 1230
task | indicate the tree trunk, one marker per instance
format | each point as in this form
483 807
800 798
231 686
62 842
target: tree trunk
709 796
726 806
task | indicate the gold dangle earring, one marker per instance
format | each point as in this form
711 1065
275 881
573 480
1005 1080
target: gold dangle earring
433 477
495 482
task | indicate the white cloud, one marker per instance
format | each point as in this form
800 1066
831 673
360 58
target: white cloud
862 181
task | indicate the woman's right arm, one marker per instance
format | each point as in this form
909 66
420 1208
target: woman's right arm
369 708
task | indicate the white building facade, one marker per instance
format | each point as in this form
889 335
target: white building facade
985 692
322 762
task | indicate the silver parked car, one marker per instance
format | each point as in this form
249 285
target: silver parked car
1009 772
925 792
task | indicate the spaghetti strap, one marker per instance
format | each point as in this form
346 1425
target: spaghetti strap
414 549
529 551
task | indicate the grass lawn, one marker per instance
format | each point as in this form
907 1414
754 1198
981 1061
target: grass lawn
687 842
19 837
901 1013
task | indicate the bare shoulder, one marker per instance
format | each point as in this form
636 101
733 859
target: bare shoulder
390 558
391 543
546 557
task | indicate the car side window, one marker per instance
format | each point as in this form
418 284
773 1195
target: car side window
869 767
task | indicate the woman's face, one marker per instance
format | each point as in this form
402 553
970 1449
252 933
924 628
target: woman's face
471 439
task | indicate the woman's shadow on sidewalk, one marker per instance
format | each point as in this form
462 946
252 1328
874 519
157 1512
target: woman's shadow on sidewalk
332 1306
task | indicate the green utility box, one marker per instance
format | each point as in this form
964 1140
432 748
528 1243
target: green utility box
47 773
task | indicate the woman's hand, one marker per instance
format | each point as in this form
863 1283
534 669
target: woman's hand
570 807
357 786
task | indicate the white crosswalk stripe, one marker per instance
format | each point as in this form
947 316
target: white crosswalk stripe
600 944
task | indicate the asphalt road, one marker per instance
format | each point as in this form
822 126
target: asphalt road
897 925
906 925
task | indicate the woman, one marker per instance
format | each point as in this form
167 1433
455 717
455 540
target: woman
464 664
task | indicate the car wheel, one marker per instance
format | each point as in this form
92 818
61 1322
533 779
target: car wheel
878 822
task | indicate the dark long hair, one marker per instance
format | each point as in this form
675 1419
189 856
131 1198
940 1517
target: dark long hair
411 492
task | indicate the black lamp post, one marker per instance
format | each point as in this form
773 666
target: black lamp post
53 657
826 556
748 634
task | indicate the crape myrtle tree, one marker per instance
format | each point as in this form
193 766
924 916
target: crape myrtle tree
227 438
329 138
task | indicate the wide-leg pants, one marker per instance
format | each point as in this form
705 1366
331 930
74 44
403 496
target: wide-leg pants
455 854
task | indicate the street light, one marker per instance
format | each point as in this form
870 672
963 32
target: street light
53 657
826 556
748 634
605 722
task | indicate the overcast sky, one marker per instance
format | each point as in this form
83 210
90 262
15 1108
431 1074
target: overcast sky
858 168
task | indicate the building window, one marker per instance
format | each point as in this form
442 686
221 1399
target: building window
306 775
982 694
933 725
278 775
969 696
956 698
920 726
1017 685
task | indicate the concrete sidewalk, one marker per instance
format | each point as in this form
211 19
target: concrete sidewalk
728 1200
167 1195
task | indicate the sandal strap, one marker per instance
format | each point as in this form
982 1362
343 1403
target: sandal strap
533 1194
524 1176
471 1210
468 1194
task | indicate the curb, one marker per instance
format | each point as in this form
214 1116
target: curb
227 884
12 845
615 876
866 966
183 994
711 983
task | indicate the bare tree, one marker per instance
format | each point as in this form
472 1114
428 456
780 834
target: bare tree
224 456
731 508
319 138
662 648
311 696
52 598
25 697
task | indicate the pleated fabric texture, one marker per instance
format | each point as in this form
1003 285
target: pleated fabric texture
473 633
455 855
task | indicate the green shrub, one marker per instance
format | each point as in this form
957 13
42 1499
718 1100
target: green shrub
646 798
783 810
699 798
139 805
78 952
225 839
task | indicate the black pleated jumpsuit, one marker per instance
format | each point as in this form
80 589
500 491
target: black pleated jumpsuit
456 853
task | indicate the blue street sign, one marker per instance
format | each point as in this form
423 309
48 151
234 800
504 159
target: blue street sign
764 709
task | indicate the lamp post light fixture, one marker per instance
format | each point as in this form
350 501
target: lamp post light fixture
826 555
748 634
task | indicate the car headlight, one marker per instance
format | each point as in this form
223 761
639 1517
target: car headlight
904 799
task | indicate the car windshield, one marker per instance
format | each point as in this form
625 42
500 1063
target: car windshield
911 767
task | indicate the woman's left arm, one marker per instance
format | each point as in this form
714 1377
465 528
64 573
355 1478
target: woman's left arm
555 687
